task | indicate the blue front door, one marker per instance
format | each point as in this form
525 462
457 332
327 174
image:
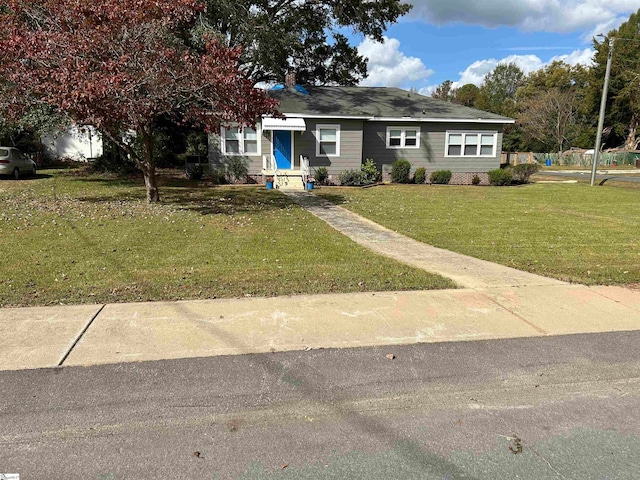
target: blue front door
282 149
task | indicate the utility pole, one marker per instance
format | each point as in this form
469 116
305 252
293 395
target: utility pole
603 108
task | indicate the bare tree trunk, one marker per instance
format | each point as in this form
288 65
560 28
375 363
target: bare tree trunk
151 182
149 170
145 164
632 143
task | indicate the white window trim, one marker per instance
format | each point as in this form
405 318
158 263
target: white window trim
403 138
464 134
223 146
337 129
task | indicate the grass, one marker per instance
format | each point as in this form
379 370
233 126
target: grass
67 237
571 231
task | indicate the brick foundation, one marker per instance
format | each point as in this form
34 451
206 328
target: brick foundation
467 178
457 178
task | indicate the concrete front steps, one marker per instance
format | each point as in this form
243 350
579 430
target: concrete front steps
289 180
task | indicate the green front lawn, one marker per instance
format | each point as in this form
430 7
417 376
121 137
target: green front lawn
568 231
72 238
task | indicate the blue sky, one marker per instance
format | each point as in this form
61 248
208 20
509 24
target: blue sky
462 40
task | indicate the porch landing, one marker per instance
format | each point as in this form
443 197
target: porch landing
287 179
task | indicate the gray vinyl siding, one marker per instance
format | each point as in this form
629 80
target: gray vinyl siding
360 140
350 145
431 154
253 162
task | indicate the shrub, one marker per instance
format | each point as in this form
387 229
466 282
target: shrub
237 170
475 180
441 177
113 161
195 171
370 172
400 170
500 177
321 175
352 178
218 176
522 172
420 176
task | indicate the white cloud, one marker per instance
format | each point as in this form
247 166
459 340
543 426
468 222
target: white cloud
478 70
388 66
577 57
562 16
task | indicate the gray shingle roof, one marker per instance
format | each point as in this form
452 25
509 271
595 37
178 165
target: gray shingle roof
381 102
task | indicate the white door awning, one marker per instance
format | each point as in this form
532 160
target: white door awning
290 124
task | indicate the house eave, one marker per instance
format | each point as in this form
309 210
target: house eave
404 119
442 120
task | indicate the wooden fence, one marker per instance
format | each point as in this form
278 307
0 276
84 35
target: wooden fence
515 158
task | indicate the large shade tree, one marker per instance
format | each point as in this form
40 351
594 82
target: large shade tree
303 35
498 91
121 65
549 104
498 95
622 120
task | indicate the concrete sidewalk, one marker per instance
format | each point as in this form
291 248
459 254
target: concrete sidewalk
468 272
96 334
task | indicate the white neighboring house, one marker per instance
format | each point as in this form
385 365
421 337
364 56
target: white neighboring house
78 143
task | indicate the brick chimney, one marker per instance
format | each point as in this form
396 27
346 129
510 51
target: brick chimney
290 79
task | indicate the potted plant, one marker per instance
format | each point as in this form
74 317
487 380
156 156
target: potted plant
310 182
269 182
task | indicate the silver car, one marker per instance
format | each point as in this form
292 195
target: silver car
14 162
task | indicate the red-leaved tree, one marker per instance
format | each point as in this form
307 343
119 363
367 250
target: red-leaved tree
120 65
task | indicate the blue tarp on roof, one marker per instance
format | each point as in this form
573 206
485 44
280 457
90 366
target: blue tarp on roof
298 88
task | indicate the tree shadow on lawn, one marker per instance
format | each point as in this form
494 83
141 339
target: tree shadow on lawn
229 200
333 198
206 200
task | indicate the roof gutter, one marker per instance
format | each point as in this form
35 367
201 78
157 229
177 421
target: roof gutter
442 120
405 119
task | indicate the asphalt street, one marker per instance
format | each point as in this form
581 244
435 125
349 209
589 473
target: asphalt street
540 408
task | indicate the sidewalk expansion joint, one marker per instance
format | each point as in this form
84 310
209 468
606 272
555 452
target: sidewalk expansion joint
520 317
622 304
84 330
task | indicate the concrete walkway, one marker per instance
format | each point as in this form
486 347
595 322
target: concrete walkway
466 271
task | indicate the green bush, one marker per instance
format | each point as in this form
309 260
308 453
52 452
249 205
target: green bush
400 170
113 160
420 176
195 171
237 170
500 177
351 178
218 176
321 174
441 177
475 180
522 172
370 172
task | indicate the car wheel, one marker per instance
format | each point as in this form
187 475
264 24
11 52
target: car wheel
33 171
16 173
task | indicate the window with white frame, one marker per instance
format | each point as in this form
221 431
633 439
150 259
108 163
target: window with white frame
328 140
403 137
471 144
240 141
